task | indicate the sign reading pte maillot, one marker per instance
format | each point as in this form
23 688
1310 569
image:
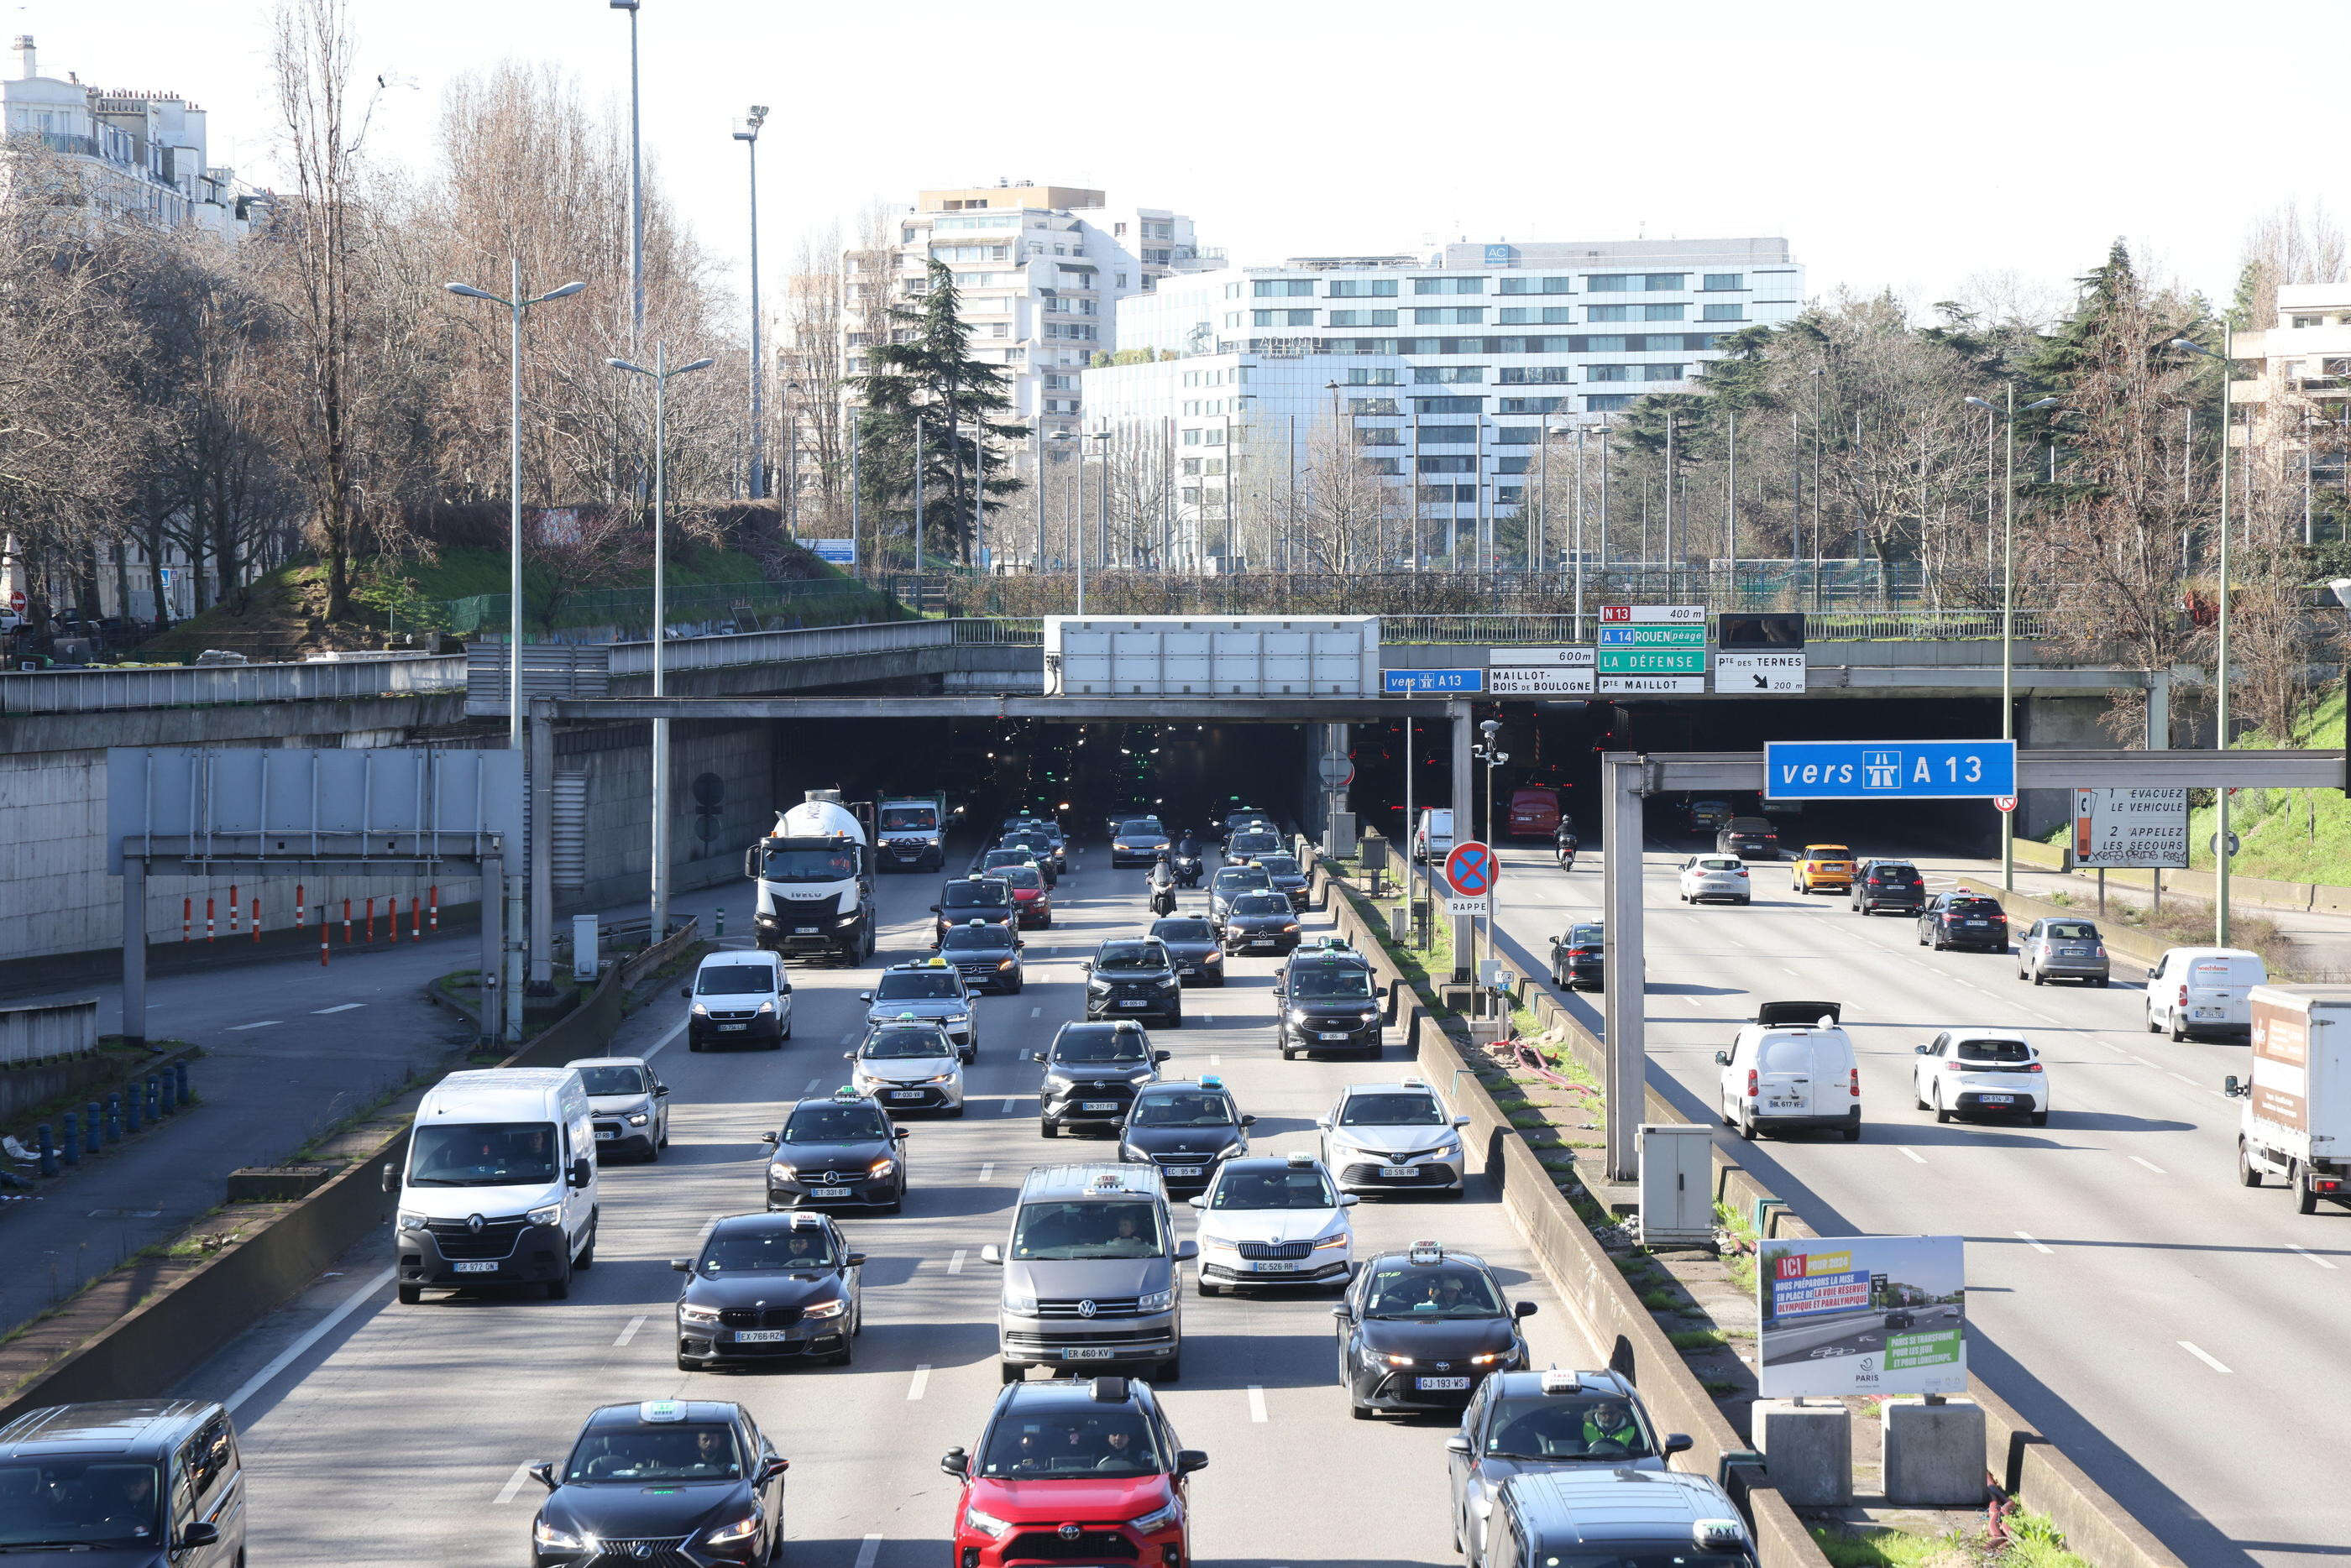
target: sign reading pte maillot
1888 770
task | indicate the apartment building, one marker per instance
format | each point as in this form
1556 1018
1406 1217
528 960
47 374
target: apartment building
2292 384
1040 270
1443 371
137 158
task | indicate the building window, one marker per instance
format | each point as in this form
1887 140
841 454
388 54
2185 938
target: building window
1663 312
1664 281
1214 467
1381 465
1449 464
1538 285
1363 319
1662 372
1061 383
1445 375
1607 402
1232 318
1449 405
1512 464
1449 435
1449 494
1213 436
1607 312
1191 468
1518 435
1232 291
971 253
1537 375
1509 495
1722 280
1283 288
1608 372
1372 406
1546 316
1191 438
1378 435
1360 376
1362 288
1533 405
1450 316
1448 285
1612 283
1723 312
1191 496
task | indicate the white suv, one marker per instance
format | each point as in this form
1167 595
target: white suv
1720 877
1980 1072
1274 1222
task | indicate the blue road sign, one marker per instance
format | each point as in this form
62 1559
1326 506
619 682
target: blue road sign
1433 682
1888 770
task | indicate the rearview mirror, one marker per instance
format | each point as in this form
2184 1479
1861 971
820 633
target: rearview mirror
955 1461
1349 1200
1457 1444
1248 1121
543 1472
864 996
849 1055
391 1171
1678 1443
686 990
1344 1312
198 1532
1036 1055
583 1171
855 1260
1460 1121
1162 1055
1918 1051
766 1137
775 1465
1187 1251
2229 1086
1201 1202
1190 1459
991 1253
1523 1309
682 1266
1722 1058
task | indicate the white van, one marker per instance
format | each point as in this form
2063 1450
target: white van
498 1186
2204 990
738 998
1793 1068
1432 835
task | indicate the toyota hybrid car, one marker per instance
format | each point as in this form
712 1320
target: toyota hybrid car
1192 942
1268 1222
1394 1137
1420 1329
1092 1072
931 989
1186 1129
668 1481
1074 1471
768 1287
908 1064
837 1152
1132 978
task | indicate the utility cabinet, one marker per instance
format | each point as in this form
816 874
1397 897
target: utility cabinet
1677 1185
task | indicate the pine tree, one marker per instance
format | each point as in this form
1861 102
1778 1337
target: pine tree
929 393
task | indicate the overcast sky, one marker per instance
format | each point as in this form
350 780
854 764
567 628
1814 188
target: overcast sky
1900 145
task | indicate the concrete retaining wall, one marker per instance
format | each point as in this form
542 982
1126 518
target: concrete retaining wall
90 1075
30 1034
2262 892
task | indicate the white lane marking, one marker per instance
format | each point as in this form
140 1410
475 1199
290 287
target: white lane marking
2150 1165
853 1037
1914 1154
867 1550
955 1264
922 1381
2312 1256
986 1171
1036 1013
1004 1106
514 1483
629 1332
1257 1402
2183 1078
346 1007
265 1024
2027 1237
2202 1355
1214 1060
665 1042
318 1331
813 1084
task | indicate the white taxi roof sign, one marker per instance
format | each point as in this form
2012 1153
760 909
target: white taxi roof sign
1427 1253
654 1411
1560 1380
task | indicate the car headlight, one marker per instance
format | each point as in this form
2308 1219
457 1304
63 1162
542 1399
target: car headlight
1489 1358
638 1119
1006 964
559 1540
957 1018
1214 955
1298 1015
1020 1306
882 1167
551 1215
1102 985
1158 1519
943 1078
779 1171
701 1314
1382 1358
1341 1240
742 1529
846 920
1157 1301
1369 1015
1219 1245
1141 1078
411 1222
987 1524
767 1007
1291 926
700 1010
824 1311
1058 1081
1168 984
1232 1152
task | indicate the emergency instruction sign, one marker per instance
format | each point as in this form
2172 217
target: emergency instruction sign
2145 827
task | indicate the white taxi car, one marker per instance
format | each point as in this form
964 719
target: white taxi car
1271 1221
908 1064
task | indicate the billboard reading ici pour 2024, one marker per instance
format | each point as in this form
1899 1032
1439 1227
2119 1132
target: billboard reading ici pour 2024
1863 1314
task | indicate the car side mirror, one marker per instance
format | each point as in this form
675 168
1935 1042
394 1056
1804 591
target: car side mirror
1344 1312
1322 1122
1457 1444
864 996
955 1462
1460 1121
391 1175
1162 1055
1349 1200
774 1466
1187 1251
687 992
1036 1055
854 1261
1722 1058
900 1133
991 1253
583 1171
935 909
1248 1121
543 1473
766 1137
1021 946
2235 1089
849 1055
682 1266
660 1090
1085 966
203 1532
1523 1309
1922 1050
1678 1443
1190 1459
1199 1202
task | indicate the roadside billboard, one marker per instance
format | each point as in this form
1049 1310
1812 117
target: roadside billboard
1862 1315
2145 827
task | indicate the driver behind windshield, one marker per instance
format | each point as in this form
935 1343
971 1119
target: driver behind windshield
1143 956
1184 1109
1117 1045
1549 1429
1330 984
491 1154
903 1045
835 1123
743 1249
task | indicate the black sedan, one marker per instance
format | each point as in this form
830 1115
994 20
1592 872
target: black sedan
1963 921
670 1481
1260 923
1192 942
1419 1330
973 898
841 1152
1288 879
1185 1129
769 1287
1579 957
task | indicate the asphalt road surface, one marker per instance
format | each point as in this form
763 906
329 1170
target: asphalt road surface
395 1435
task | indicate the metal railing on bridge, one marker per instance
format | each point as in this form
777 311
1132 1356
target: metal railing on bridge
1833 626
102 690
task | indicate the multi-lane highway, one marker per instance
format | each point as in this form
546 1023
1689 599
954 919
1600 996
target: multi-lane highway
2181 1336
400 1434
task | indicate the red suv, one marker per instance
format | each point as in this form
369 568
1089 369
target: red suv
1074 1471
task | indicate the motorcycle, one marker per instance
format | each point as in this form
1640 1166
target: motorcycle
1566 849
1187 870
1163 897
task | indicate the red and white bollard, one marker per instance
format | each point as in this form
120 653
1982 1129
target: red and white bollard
300 910
415 919
347 922
208 919
231 910
257 918
370 920
433 895
322 936
187 918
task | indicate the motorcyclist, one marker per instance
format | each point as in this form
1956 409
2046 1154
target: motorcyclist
1163 884
1565 843
1187 859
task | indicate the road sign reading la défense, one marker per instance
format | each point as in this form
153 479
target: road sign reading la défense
1432 682
1471 870
1889 769
1862 1315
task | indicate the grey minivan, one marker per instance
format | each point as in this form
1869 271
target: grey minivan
1090 1274
123 1483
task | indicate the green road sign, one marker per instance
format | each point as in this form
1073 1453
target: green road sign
1659 661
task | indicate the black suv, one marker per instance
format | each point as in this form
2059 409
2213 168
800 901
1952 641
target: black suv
111 1482
973 898
1963 921
1326 999
1893 884
1750 839
1092 1074
1135 977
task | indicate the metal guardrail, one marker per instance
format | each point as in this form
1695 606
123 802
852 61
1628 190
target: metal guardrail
1833 626
102 690
588 669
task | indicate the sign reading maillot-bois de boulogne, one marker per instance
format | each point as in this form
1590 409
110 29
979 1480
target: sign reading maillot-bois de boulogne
1862 1315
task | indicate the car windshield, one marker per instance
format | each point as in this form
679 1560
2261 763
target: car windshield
66 1502
765 1249
902 1044
1828 852
482 1154
834 864
1552 1427
1091 1045
1183 931
1893 874
1401 1109
1993 1050
1130 958
735 980
909 818
990 894
1718 863
916 987
1280 865
1141 828
1431 1290
613 1080
1184 1108
1023 876
1232 876
2071 931
1330 983
1586 935
1286 1188
1095 1228
679 1452
1261 904
836 1124
1089 1441
1000 858
964 938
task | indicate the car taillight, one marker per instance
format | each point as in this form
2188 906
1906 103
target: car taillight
2032 1066
1753 1085
2183 996
1740 872
1952 1067
1853 1079
2098 952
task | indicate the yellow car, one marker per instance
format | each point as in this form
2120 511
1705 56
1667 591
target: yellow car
1822 868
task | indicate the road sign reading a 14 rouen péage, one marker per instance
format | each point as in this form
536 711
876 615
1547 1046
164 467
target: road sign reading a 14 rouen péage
1889 769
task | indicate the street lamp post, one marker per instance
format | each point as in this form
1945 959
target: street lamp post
517 304
749 137
2220 653
636 185
1102 522
2007 612
661 375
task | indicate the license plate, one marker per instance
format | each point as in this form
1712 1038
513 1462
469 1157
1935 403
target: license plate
1439 1385
1261 941
732 1028
1332 1034
1996 1100
1973 925
489 1268
1396 1170
906 1094
1184 1169
1098 1104
1274 1266
2204 1012
761 1336
1189 969
805 931
1141 1003
1784 1105
1086 1352
602 1134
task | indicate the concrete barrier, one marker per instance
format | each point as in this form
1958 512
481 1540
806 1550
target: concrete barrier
2139 947
45 1033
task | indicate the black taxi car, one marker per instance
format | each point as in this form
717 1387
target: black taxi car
769 1287
666 1480
1325 999
974 898
1420 1329
840 1151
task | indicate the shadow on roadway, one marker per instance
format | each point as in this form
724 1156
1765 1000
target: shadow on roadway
2113 1121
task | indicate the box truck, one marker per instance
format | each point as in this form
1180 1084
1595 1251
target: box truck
2295 1124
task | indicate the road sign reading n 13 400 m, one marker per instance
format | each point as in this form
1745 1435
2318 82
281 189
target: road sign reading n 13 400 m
1888 770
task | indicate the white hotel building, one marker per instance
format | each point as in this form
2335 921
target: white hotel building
1447 370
